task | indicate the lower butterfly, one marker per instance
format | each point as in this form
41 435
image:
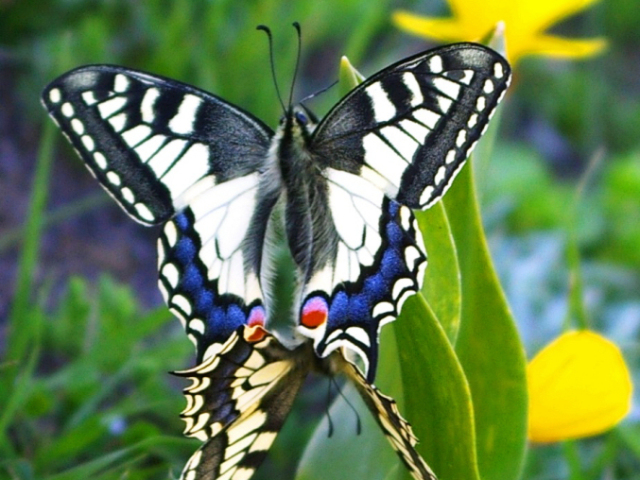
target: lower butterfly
214 176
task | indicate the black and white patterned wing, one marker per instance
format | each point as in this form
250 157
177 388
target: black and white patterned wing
395 141
153 143
238 402
396 429
168 152
409 128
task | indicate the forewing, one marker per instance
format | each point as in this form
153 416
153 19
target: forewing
396 429
238 402
377 262
409 129
149 140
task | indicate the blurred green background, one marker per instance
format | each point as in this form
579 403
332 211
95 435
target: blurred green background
84 339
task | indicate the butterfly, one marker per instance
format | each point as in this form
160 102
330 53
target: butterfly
221 182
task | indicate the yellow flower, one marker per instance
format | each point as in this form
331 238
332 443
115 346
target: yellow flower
579 385
525 22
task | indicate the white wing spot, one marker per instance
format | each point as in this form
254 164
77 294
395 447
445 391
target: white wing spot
461 138
118 121
136 135
382 308
435 64
449 88
498 70
55 95
440 174
100 160
88 142
473 120
425 197
171 275
488 86
111 106
121 83
426 117
467 77
405 218
401 285
411 255
444 103
67 110
182 122
383 109
359 334
128 195
171 234
451 156
89 98
114 178
148 101
197 325
144 212
481 103
414 87
182 303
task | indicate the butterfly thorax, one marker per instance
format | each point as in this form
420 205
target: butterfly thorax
307 218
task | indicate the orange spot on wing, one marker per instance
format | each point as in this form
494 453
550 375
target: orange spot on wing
254 333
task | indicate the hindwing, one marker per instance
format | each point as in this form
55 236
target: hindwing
238 401
240 397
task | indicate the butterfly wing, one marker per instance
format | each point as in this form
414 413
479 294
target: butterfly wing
396 429
409 128
149 140
168 152
399 138
238 402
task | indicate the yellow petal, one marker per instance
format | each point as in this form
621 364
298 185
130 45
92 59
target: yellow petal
443 29
552 46
525 21
579 385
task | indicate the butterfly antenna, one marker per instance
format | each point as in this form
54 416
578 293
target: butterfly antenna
319 92
358 422
296 25
267 30
329 413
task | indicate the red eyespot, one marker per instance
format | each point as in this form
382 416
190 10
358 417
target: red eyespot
314 312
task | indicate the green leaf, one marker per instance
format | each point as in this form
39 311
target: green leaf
488 345
442 278
437 397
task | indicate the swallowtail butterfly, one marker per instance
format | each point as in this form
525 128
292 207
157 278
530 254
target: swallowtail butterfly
213 175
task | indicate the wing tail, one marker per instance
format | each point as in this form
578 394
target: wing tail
238 402
397 430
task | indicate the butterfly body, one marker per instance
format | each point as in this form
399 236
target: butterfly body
214 177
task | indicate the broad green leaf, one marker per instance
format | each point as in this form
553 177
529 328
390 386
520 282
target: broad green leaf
441 286
436 395
488 345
